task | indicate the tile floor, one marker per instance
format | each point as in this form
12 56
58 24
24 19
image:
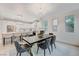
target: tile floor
61 50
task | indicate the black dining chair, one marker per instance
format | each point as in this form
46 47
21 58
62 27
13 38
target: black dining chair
21 50
43 45
51 34
52 42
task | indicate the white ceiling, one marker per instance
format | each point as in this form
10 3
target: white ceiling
30 12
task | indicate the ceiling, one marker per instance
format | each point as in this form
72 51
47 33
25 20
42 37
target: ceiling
29 11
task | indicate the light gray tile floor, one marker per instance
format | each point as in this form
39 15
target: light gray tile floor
61 50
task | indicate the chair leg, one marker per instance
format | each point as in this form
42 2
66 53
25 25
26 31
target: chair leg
17 54
31 54
49 50
20 54
44 52
51 47
54 45
37 50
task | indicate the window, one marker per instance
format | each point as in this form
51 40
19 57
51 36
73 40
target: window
69 23
45 25
55 24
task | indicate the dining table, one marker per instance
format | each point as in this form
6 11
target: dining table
35 39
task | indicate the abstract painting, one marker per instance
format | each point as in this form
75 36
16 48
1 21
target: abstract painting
10 28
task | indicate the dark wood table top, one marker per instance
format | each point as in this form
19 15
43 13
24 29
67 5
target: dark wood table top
35 39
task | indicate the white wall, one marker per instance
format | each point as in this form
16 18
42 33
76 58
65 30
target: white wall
61 34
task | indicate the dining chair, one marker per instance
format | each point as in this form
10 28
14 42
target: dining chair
43 45
21 49
34 33
51 34
52 42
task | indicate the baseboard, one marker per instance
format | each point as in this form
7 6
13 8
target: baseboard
68 43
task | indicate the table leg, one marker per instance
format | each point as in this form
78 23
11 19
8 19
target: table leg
3 41
31 54
11 40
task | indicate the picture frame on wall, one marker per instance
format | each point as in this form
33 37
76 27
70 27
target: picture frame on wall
55 25
10 28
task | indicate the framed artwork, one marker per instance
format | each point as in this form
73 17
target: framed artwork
10 28
69 23
55 24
